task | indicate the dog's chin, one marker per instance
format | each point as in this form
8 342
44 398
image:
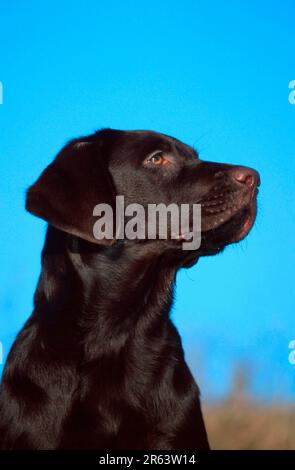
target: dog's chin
232 231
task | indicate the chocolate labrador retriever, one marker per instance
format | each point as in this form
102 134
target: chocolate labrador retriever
99 364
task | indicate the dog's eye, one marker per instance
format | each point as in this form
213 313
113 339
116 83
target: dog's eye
156 159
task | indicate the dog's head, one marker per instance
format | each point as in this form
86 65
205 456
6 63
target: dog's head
147 168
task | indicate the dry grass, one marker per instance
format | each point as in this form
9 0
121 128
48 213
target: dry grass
236 424
240 423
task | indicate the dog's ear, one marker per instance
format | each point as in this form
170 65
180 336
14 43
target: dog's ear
71 186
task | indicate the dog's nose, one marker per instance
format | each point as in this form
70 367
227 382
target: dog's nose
245 175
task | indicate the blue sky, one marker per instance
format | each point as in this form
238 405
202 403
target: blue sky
214 74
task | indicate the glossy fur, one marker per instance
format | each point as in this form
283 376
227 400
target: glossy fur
99 364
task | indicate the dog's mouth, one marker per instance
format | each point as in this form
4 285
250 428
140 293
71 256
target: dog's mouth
248 217
224 223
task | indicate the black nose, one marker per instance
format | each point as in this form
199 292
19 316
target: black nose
245 175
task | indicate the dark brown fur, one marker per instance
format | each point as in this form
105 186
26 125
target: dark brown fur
99 364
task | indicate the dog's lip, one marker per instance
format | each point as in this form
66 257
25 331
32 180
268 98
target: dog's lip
248 223
242 230
237 232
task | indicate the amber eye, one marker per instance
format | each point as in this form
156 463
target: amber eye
156 159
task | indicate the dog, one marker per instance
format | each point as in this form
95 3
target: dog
99 364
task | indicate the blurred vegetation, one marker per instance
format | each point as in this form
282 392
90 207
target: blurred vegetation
241 423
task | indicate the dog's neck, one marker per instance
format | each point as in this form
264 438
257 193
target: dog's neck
118 292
